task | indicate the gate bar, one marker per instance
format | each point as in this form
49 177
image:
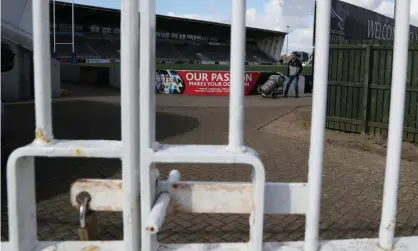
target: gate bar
42 71
147 72
147 117
396 121
130 123
54 25
72 26
237 78
319 102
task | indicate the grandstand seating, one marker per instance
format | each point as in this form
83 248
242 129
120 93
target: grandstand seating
253 55
166 50
81 46
189 51
104 48
216 52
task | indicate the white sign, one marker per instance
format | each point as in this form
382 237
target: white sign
97 61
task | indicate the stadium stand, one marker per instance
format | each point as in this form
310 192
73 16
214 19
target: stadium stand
104 48
166 50
178 40
191 51
82 46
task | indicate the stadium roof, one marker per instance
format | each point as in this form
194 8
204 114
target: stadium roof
164 23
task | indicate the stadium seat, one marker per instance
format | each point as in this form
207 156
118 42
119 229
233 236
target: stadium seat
81 48
171 50
166 50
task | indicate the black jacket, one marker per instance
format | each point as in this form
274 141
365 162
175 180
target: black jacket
294 68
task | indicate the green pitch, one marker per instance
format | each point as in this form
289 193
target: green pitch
307 70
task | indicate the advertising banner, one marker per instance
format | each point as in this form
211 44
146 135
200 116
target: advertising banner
64 60
207 62
97 61
200 82
212 83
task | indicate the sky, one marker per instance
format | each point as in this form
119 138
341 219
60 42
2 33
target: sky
267 14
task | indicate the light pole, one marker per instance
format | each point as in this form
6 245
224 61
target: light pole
287 42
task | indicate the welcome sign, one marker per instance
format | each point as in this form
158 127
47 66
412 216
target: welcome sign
350 22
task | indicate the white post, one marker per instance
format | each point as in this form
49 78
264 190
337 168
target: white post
396 118
42 71
54 25
130 123
147 72
319 102
147 116
287 42
237 66
72 26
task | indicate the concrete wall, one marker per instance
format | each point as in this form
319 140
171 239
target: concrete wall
114 77
55 78
17 13
16 22
90 75
17 84
70 73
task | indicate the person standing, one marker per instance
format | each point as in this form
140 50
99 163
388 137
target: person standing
294 69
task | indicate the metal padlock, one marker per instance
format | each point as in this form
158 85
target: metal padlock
88 218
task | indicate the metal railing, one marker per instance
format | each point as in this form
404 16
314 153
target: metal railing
144 199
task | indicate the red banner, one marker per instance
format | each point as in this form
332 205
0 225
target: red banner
214 82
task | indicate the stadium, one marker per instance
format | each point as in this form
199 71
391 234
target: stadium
88 53
179 41
192 59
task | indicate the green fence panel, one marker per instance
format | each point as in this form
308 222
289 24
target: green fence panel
359 88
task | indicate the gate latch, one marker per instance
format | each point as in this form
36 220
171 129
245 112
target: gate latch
87 217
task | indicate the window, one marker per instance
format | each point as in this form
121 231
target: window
78 27
94 28
107 30
65 27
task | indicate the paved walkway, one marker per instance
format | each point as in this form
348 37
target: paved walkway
352 179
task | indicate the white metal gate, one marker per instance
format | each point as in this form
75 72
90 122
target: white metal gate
144 199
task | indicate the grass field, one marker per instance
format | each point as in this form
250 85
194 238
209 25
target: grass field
307 70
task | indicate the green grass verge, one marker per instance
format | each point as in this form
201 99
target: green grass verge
307 70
